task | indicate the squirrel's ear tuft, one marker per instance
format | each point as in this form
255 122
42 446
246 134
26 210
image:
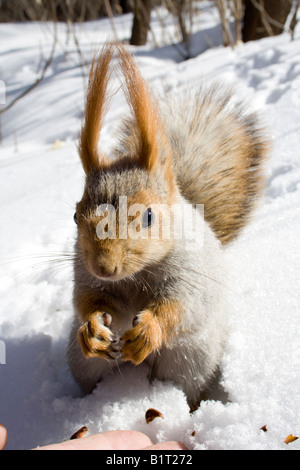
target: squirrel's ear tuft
95 109
151 146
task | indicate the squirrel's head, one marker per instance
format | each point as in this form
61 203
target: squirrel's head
124 218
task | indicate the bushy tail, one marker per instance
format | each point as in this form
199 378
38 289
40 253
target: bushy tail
219 152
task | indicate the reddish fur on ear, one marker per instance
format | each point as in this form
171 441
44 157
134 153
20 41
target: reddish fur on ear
152 149
95 109
150 127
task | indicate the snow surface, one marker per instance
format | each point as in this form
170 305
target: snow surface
41 180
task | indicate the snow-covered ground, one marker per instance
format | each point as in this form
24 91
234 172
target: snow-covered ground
41 180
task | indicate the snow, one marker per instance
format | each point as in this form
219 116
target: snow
41 180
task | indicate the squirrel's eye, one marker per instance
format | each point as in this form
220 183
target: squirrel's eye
75 218
148 218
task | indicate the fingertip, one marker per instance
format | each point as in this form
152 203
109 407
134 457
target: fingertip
130 440
3 436
109 440
170 445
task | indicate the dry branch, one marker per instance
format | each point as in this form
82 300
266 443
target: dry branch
226 31
39 79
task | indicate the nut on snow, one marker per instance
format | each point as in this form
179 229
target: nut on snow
80 433
151 414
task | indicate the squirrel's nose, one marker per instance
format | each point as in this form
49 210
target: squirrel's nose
103 271
101 268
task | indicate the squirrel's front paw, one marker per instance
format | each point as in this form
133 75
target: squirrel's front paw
96 338
141 340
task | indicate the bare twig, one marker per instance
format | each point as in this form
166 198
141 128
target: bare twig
226 32
266 18
180 10
294 20
184 12
39 79
167 36
236 8
111 18
147 19
68 12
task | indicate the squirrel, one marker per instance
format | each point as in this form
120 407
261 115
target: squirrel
159 300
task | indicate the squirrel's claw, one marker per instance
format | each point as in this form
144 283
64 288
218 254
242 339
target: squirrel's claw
96 339
142 339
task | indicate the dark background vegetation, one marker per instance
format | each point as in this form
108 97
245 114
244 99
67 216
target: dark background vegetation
242 20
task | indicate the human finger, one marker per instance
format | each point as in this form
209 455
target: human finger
3 436
110 440
170 445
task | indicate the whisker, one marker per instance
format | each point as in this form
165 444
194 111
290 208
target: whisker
168 270
41 266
